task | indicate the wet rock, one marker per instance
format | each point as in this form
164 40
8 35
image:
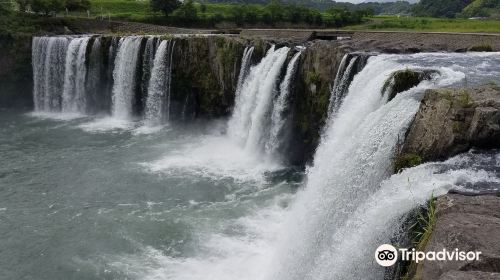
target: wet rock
468 223
310 97
451 121
16 75
404 80
205 72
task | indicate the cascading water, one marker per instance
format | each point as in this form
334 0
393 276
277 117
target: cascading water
148 58
158 99
94 82
250 122
278 116
49 54
351 65
74 94
352 160
245 67
124 77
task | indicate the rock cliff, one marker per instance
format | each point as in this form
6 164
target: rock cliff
451 121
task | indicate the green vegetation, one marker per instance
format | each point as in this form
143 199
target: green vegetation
441 8
312 78
13 24
167 6
457 8
407 23
464 98
192 13
482 8
482 48
421 232
406 161
404 80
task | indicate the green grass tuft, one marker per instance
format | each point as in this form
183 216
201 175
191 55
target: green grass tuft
422 231
406 161
482 48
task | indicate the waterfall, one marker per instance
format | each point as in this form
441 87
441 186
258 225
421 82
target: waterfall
74 95
351 65
148 58
49 54
278 116
158 98
93 85
245 67
124 77
249 124
353 158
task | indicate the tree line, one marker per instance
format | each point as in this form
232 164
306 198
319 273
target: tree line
52 6
191 13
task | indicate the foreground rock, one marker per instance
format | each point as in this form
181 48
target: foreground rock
469 223
451 121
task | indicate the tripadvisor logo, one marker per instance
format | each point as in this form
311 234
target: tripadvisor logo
387 255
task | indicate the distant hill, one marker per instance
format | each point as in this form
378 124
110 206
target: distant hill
453 8
482 8
377 6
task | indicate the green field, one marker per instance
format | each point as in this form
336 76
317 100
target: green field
395 23
139 11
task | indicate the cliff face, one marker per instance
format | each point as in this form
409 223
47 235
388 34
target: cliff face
451 121
16 75
310 99
204 75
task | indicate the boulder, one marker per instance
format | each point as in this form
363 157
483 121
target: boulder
469 223
451 121
403 80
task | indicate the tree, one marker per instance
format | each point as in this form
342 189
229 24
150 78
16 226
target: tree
23 5
78 5
6 7
47 6
165 6
187 12
275 10
441 8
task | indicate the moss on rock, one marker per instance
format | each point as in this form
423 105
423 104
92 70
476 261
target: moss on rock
204 72
403 80
406 161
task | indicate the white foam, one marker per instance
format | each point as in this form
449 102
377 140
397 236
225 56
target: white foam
108 124
215 157
56 115
222 256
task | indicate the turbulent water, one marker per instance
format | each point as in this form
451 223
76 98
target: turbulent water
86 199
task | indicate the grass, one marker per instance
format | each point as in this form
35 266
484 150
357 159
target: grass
118 8
406 161
422 229
138 10
407 23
